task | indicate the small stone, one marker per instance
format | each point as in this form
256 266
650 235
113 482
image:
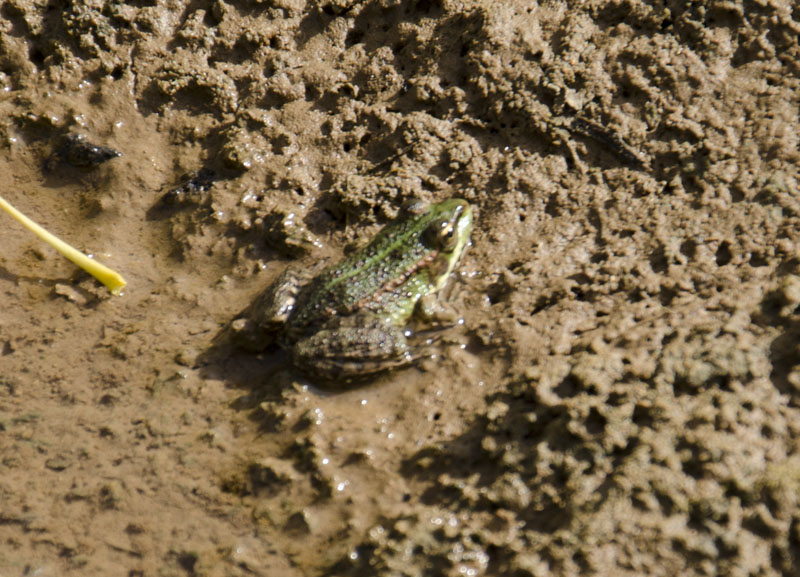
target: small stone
187 357
58 463
78 151
244 557
70 293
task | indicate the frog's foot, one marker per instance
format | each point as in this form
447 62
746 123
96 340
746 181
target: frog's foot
248 335
272 307
352 348
432 311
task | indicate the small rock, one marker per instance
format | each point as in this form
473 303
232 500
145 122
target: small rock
58 463
78 151
191 190
187 357
70 293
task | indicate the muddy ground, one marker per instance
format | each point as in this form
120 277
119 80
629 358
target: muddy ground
623 397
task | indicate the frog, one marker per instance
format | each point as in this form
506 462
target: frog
348 322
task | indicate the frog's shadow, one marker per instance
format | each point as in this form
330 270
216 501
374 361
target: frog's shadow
262 376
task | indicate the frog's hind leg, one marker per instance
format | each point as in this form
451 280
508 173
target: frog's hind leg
257 327
351 349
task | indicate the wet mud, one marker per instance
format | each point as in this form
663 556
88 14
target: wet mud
623 396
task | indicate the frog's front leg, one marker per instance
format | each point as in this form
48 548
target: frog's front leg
353 347
433 311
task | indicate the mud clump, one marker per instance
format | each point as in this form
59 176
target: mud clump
623 396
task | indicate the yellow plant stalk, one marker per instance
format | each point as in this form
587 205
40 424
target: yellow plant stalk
112 279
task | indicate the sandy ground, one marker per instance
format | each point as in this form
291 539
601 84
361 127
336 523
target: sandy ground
623 397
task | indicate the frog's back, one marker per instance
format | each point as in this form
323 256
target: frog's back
385 263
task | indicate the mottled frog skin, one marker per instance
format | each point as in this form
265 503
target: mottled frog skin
348 321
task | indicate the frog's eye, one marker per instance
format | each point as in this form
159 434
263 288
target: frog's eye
441 234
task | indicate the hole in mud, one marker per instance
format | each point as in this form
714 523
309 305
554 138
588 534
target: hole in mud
567 388
757 259
187 561
312 93
354 37
658 260
36 57
689 249
595 422
683 387
108 400
639 502
724 255
543 302
616 399
552 207
581 278
667 295
497 292
428 6
666 503
643 415
758 526
548 519
694 469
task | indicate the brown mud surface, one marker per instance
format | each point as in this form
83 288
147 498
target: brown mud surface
623 397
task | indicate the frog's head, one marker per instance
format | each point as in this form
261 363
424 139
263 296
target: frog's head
449 224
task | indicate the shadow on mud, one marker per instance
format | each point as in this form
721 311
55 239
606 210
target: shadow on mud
264 377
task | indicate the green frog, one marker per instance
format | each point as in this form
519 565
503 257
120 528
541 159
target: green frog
348 321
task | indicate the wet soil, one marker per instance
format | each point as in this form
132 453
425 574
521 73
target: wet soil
623 397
